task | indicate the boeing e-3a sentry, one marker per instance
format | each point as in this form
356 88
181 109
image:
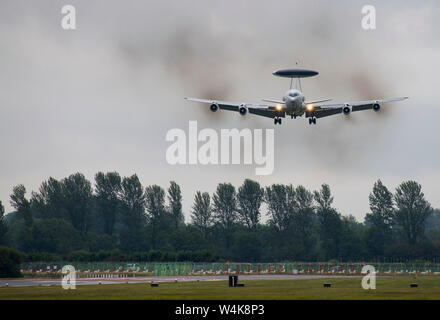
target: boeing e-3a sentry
294 104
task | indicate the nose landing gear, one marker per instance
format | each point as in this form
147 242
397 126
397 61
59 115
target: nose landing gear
312 120
293 116
277 120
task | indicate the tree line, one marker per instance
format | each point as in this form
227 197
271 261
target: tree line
117 218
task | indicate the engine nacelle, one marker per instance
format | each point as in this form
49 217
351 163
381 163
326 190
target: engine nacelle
214 107
347 109
376 107
242 110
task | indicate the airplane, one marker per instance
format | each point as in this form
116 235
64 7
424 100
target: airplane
294 103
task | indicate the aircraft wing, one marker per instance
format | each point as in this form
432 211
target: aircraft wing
325 110
257 109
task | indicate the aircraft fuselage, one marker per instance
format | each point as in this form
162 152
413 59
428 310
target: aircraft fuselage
294 100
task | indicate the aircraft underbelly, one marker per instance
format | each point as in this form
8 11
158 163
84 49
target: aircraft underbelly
294 108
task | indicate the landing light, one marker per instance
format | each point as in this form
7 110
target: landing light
309 107
278 107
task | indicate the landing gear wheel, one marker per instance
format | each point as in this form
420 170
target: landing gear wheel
293 116
312 120
277 120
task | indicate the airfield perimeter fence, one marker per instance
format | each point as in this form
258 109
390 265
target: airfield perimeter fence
121 269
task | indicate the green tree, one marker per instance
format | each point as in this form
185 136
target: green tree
132 199
155 204
186 239
133 202
21 204
10 260
280 200
225 209
380 219
55 236
50 200
247 246
303 219
201 213
352 244
97 242
3 226
433 221
23 208
77 191
330 224
133 240
175 203
250 196
381 205
412 210
323 197
108 189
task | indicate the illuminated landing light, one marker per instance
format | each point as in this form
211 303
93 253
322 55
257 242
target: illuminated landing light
310 107
279 107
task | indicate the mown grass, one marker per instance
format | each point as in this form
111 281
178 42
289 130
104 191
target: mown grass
342 288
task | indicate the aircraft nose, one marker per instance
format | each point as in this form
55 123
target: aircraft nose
294 99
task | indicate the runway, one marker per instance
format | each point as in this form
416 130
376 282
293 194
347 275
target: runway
157 279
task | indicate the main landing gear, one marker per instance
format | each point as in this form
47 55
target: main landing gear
277 120
312 120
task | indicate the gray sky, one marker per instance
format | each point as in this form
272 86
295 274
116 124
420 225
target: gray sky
102 97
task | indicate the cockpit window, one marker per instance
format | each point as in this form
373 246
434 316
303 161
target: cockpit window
293 94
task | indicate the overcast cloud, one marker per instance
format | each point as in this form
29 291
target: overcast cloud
102 97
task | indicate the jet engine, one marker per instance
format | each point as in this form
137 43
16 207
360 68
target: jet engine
347 109
242 110
376 107
214 107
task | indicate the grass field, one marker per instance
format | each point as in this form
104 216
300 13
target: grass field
349 288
